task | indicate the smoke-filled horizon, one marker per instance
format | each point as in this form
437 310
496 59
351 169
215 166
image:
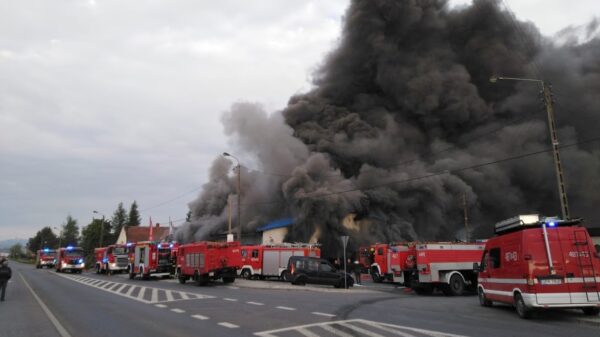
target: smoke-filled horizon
404 94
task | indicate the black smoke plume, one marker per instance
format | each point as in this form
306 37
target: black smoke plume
405 94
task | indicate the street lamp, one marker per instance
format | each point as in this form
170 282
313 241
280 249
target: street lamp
239 193
547 92
101 229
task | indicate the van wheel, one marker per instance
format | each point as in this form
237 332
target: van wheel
591 311
457 285
522 310
246 274
483 301
285 275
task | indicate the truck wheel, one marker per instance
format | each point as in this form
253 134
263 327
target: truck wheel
377 278
591 311
483 301
285 275
246 274
457 285
522 310
228 279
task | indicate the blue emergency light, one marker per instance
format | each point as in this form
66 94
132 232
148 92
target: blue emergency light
552 224
171 246
46 250
69 247
129 244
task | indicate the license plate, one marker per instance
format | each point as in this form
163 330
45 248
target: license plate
551 281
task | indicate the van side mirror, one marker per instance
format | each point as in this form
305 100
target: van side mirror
476 267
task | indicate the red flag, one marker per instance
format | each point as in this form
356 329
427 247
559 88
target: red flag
151 236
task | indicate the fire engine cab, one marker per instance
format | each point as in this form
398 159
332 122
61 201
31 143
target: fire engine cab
70 258
151 259
205 261
44 258
388 261
535 262
111 259
271 260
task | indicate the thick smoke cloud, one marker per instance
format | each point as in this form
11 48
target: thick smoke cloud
407 94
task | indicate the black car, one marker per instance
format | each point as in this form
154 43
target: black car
304 269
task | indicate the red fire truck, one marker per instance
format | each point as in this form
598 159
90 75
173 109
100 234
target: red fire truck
205 261
388 261
271 260
70 258
111 259
535 262
45 258
151 259
446 266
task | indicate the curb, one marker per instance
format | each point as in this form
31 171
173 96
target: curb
589 321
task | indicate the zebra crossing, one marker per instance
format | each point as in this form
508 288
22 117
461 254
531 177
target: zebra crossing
351 328
143 294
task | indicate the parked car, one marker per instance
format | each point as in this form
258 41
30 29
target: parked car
305 269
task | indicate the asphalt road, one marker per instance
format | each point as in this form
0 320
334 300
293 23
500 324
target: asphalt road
100 305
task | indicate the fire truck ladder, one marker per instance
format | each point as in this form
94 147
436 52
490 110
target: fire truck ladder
584 257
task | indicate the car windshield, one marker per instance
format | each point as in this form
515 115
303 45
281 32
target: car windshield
74 253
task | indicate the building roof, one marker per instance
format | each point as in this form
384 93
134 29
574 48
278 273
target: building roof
139 233
276 224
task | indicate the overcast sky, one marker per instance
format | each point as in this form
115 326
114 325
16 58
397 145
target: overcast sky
110 101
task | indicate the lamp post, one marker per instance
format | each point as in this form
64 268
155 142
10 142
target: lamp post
59 236
547 92
239 193
101 229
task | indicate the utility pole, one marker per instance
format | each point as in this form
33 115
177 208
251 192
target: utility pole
239 194
101 230
564 203
467 232
548 102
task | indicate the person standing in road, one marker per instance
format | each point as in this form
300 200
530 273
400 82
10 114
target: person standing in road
5 275
356 268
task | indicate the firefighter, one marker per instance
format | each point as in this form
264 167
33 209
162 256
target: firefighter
5 274
356 268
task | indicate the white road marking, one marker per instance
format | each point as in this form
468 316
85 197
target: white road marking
179 311
232 287
200 317
229 325
160 305
322 314
141 294
184 296
307 333
121 287
255 303
335 331
230 299
361 330
285 308
130 291
329 326
59 328
154 297
169 295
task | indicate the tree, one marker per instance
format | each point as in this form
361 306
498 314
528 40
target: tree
16 251
70 233
119 219
134 215
44 238
90 238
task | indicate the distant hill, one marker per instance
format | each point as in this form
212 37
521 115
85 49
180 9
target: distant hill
5 244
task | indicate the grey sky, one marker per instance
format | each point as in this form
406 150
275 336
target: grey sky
110 101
